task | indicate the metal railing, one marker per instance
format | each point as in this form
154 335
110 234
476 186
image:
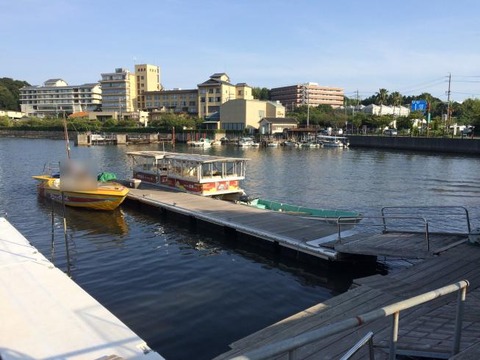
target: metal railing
367 339
347 221
442 211
289 346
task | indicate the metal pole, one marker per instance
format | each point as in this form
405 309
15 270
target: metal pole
394 336
427 236
52 246
67 250
458 320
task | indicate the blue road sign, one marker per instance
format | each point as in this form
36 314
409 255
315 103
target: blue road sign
419 105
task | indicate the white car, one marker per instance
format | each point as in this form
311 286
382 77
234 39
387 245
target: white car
391 132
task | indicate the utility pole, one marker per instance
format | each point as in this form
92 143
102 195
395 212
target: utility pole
306 100
448 101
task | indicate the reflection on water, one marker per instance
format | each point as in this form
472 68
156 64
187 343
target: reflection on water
87 221
189 295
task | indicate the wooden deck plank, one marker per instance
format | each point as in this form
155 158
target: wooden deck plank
355 303
289 231
426 328
406 245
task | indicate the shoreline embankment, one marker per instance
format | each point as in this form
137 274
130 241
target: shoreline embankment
465 145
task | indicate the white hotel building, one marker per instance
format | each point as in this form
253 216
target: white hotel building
57 98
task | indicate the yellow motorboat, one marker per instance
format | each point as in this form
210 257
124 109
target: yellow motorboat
77 189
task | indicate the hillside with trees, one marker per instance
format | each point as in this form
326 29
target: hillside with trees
10 93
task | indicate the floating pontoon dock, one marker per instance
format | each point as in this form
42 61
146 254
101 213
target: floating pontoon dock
278 229
45 315
323 240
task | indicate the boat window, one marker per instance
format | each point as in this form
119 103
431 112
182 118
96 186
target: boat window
184 169
211 170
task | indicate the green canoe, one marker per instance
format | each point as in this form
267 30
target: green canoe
320 214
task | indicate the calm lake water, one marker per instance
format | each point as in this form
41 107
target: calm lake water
190 295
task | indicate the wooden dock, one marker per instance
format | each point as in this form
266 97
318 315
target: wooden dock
316 238
235 220
426 330
45 315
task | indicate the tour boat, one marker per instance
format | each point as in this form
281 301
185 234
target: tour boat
79 189
305 212
204 175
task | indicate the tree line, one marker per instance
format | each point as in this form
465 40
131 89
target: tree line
466 113
10 93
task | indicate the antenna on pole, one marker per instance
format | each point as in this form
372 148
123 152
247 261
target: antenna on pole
448 100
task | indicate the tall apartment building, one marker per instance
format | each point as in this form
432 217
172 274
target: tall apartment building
309 93
57 98
148 79
218 90
119 91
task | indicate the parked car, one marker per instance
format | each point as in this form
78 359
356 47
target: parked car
467 130
390 132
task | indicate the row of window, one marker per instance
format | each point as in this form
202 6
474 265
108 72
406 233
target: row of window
68 96
56 91
144 69
168 97
211 99
113 77
57 102
233 126
157 104
114 85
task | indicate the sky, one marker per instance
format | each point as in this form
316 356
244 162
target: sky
410 46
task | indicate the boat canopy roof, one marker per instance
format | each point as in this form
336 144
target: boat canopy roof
331 137
199 158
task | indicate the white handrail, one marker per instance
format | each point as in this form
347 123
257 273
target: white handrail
289 345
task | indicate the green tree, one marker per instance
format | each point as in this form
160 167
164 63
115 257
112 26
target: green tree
7 100
469 112
404 123
5 121
381 97
10 93
261 93
395 99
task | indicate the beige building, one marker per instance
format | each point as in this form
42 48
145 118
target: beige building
176 100
218 90
119 91
272 126
57 98
148 79
241 114
309 93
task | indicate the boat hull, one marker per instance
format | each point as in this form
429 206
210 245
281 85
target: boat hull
105 197
309 213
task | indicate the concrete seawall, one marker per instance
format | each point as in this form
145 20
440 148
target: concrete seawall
444 145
